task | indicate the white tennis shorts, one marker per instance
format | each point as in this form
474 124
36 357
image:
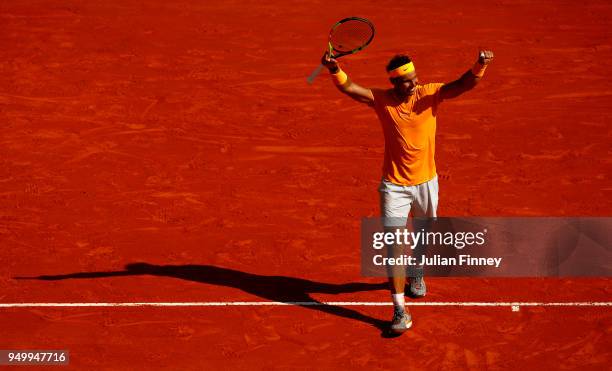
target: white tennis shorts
397 201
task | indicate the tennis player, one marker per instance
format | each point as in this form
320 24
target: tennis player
409 182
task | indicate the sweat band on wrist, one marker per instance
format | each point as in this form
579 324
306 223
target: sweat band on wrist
339 78
478 69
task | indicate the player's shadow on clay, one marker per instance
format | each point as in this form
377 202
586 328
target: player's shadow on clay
284 289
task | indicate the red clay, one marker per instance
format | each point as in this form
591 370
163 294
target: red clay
184 133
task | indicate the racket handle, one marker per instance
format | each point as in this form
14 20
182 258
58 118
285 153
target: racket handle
315 73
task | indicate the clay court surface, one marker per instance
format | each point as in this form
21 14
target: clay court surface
183 134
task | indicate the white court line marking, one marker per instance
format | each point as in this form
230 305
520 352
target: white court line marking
309 303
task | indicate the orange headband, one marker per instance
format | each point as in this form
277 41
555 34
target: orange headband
402 70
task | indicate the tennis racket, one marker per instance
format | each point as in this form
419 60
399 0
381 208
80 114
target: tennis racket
347 36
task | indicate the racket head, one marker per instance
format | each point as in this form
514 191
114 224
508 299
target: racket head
350 35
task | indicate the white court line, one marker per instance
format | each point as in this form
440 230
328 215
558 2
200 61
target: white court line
309 303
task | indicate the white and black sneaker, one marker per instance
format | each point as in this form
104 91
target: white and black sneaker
418 289
416 281
401 321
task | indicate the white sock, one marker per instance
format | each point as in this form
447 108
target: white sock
398 300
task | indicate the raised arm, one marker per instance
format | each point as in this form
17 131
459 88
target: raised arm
469 79
344 83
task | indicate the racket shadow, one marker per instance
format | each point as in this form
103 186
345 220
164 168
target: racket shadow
290 290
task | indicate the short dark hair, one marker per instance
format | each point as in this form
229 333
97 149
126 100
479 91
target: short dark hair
397 61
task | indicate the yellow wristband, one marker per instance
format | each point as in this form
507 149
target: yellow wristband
479 69
339 78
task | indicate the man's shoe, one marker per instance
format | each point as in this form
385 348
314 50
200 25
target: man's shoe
418 289
401 321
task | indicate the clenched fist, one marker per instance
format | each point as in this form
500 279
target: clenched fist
485 57
331 63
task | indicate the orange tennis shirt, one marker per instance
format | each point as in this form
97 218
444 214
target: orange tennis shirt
409 129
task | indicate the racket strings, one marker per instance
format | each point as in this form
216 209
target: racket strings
351 35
